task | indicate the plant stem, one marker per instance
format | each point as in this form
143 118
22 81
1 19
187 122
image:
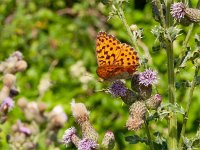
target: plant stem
148 135
188 108
172 127
169 20
160 9
122 17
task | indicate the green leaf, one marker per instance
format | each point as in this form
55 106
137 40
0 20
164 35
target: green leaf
136 139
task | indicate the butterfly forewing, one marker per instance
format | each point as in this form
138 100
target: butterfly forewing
108 47
115 59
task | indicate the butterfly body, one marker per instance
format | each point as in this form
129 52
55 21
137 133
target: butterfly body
115 60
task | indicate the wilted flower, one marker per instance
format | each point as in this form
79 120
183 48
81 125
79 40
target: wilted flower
87 144
148 77
118 88
68 135
178 10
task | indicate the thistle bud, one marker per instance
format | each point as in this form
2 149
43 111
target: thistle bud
154 101
193 14
136 115
81 115
135 82
108 142
9 80
134 123
138 109
184 14
130 97
20 65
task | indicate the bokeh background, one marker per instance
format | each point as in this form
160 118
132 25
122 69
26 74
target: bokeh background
57 38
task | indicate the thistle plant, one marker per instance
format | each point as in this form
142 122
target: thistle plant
143 99
157 106
25 134
89 138
9 68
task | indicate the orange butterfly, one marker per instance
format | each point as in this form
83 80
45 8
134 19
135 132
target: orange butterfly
115 60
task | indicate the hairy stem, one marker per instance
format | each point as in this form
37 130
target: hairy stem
148 135
123 19
187 109
169 19
172 127
160 9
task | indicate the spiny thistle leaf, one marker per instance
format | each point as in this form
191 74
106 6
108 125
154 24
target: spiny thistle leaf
136 139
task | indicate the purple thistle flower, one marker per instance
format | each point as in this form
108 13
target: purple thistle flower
24 130
7 102
148 77
117 88
87 144
68 134
178 11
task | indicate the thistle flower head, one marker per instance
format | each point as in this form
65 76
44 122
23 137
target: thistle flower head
25 130
87 144
148 77
7 103
118 88
68 135
178 11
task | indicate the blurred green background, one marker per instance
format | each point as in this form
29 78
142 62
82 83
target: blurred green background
58 38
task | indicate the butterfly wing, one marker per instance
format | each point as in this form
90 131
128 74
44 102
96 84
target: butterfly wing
115 60
107 48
